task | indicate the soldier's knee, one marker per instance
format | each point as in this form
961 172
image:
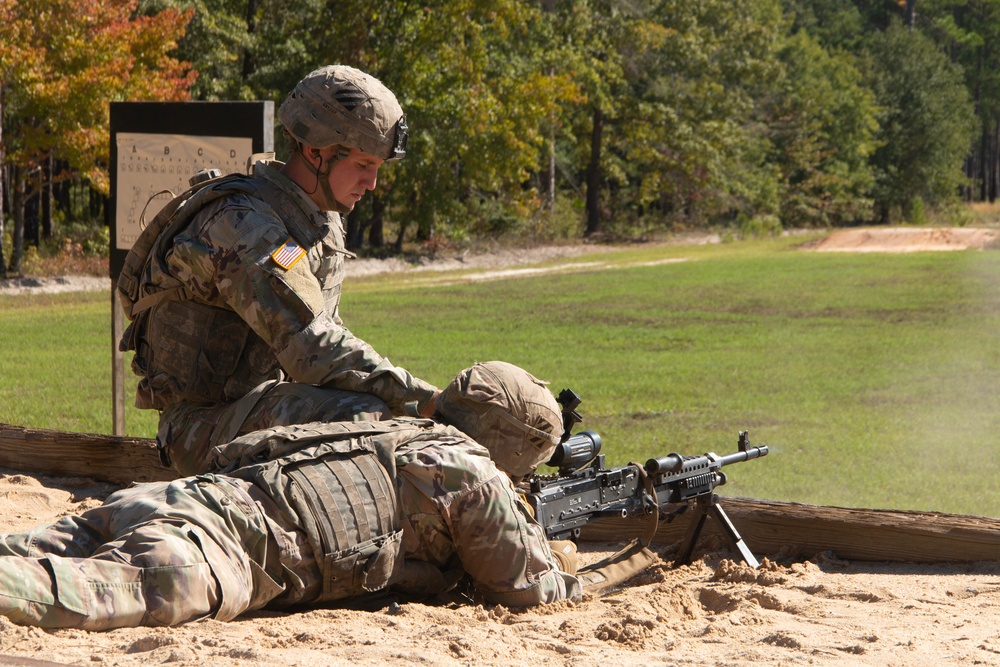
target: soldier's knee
174 595
184 437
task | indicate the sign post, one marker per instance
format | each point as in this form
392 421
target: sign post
155 148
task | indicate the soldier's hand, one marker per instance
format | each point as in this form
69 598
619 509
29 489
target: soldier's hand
430 407
564 551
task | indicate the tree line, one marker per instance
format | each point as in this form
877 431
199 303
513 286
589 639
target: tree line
540 119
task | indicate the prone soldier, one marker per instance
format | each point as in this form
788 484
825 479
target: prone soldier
312 513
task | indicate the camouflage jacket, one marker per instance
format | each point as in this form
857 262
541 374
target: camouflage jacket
457 510
257 278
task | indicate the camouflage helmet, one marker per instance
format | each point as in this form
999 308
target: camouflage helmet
507 410
341 105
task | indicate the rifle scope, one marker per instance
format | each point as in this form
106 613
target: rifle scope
576 452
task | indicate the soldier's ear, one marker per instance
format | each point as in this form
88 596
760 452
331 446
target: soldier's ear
312 154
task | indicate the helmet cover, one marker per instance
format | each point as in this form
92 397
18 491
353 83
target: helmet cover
507 410
341 105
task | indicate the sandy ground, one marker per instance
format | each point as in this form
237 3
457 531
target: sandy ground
907 239
819 611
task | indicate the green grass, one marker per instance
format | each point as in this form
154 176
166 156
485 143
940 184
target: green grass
871 377
55 365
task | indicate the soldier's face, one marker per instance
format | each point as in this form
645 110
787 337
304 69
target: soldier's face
353 176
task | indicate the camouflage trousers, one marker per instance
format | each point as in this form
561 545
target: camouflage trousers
154 554
189 432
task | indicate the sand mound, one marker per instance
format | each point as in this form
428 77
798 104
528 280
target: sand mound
906 239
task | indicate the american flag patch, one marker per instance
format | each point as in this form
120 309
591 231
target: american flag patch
287 254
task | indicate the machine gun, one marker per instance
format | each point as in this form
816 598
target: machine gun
585 490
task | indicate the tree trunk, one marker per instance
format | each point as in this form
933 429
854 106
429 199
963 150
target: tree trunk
32 210
398 245
17 209
971 166
61 191
249 62
550 174
98 204
549 6
3 180
994 164
594 177
403 224
376 224
3 258
911 13
424 230
353 233
45 197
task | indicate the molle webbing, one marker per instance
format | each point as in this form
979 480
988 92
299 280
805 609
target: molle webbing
165 225
187 350
157 237
347 505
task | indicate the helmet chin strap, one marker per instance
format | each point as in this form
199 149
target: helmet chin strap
323 180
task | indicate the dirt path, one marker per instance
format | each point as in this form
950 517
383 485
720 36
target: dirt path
907 239
504 263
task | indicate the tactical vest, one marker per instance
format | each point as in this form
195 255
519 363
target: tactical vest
334 481
186 350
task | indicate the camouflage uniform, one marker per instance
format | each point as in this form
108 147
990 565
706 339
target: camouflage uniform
234 293
153 554
459 509
245 323
220 545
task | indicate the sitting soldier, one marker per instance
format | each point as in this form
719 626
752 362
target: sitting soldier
311 513
235 297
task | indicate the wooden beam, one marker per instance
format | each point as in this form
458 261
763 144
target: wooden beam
768 527
107 458
799 530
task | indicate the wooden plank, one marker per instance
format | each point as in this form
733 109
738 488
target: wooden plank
768 527
107 458
795 529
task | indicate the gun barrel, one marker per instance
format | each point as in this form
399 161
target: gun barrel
673 463
738 457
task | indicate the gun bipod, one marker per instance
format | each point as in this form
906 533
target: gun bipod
704 505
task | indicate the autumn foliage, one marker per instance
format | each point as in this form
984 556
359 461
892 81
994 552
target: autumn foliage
63 61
